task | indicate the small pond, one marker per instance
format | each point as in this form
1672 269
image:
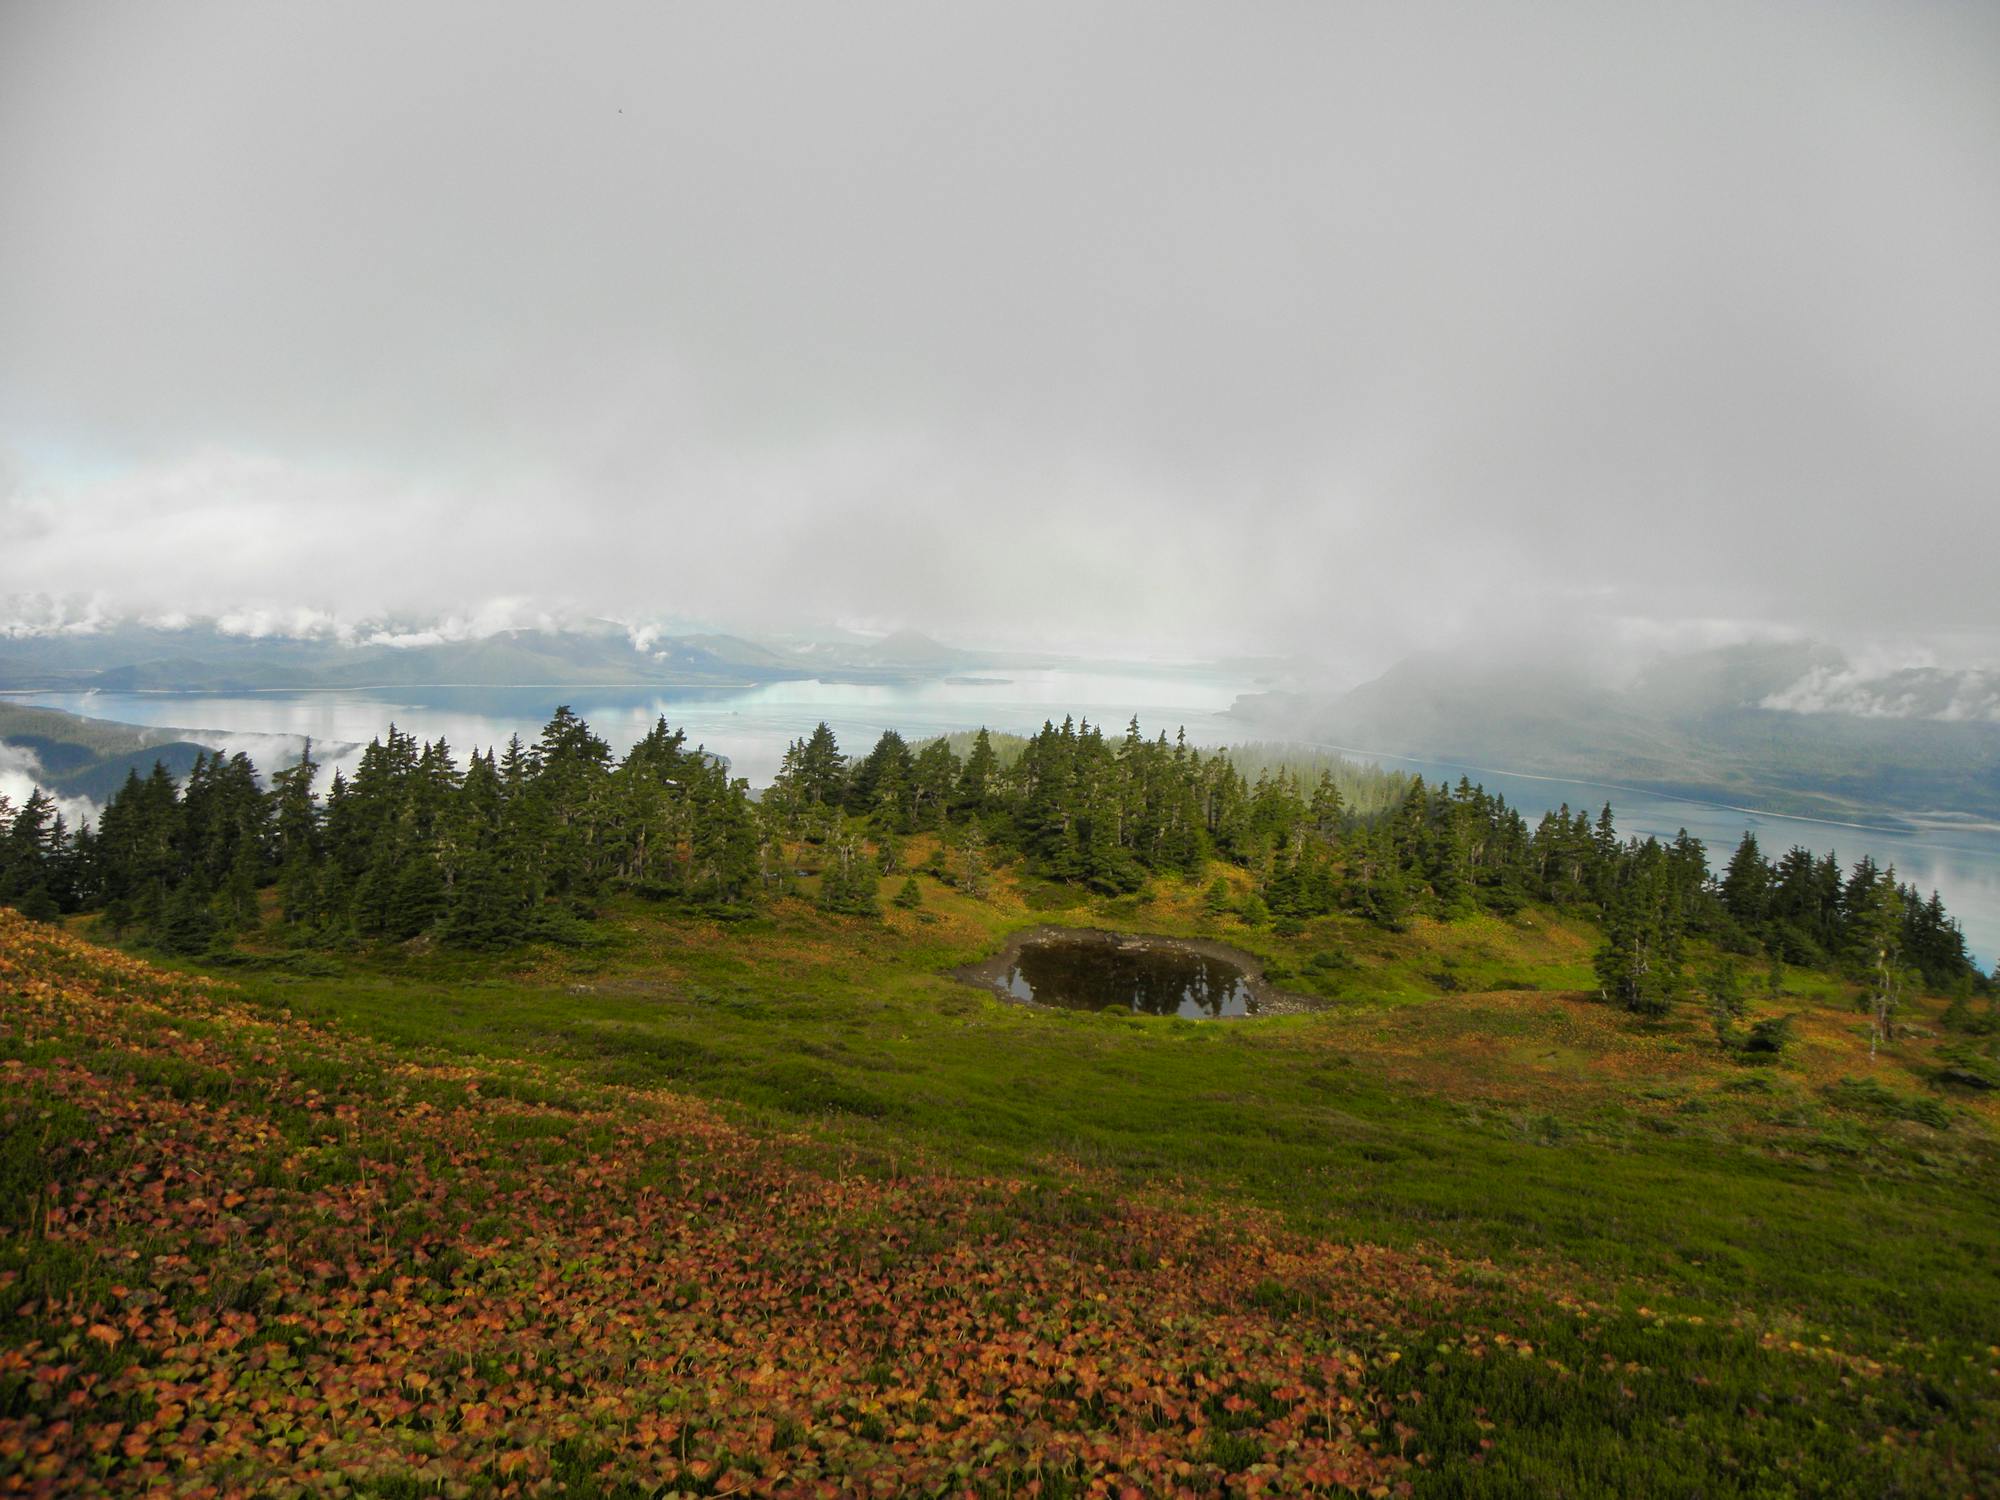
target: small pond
1152 976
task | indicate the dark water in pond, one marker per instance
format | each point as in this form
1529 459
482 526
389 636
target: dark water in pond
1084 973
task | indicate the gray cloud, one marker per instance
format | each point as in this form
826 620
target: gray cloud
1351 327
1901 693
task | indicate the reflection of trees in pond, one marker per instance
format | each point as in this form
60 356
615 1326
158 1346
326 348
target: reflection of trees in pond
1086 975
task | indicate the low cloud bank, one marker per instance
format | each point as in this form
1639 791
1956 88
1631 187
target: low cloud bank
21 775
1951 695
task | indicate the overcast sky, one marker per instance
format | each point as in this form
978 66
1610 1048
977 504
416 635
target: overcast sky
1330 327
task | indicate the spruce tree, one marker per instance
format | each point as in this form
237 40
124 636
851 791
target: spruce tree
975 783
822 774
972 860
187 925
1875 932
934 778
849 878
1639 963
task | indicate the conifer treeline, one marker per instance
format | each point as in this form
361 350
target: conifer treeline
511 846
519 844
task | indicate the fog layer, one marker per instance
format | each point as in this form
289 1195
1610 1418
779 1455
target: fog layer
1335 328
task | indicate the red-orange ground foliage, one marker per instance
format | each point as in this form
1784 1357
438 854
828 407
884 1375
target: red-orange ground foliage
265 1258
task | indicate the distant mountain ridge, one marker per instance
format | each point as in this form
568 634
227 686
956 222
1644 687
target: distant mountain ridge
1792 727
203 657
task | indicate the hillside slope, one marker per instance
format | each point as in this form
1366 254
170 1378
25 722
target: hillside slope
83 757
243 1250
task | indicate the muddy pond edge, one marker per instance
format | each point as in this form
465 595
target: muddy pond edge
985 974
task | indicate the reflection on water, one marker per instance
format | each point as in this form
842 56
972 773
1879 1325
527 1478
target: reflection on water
1092 971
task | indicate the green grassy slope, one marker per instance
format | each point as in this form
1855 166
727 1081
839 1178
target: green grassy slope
1668 1272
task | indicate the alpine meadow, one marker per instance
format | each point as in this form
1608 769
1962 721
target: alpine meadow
999 751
